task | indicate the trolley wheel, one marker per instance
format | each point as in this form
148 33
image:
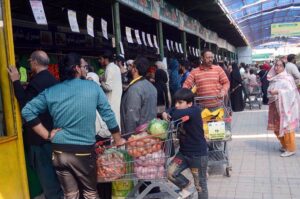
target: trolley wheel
227 171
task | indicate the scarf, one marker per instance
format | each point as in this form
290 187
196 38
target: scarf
287 101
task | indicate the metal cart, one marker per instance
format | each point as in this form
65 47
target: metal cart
133 162
217 128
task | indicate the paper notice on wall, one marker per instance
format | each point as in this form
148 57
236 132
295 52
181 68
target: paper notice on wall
155 41
104 28
137 36
128 35
122 48
172 46
168 45
180 48
177 48
73 21
38 12
144 38
149 40
90 25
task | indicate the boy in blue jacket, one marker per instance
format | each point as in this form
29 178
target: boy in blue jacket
193 147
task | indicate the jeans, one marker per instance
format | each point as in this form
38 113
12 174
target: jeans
198 167
76 171
40 156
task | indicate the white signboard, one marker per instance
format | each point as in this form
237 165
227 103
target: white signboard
137 36
149 40
38 12
128 35
155 41
177 48
90 25
122 48
180 48
73 21
168 45
104 28
172 45
144 38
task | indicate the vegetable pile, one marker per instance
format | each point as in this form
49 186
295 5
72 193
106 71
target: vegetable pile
142 144
150 166
111 165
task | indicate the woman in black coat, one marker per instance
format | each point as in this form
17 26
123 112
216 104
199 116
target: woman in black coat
161 80
236 89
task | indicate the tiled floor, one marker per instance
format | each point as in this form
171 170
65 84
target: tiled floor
258 171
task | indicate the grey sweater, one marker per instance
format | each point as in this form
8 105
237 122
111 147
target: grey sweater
138 105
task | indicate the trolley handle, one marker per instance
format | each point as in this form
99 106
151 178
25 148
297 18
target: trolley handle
182 119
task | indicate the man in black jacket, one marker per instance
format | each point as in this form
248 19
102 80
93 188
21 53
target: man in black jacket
40 151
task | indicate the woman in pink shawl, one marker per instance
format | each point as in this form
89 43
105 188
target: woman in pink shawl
284 107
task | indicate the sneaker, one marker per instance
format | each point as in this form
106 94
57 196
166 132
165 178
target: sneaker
282 149
287 154
186 192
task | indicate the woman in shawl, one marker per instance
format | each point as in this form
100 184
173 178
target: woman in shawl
236 89
284 107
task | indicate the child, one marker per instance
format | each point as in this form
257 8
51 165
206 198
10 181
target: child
193 147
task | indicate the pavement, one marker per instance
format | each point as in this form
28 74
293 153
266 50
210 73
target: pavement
258 171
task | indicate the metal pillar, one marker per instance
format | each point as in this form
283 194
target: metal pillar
117 26
160 39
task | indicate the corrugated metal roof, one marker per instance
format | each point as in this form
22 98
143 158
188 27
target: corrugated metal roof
254 17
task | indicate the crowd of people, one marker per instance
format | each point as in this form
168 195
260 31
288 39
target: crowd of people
63 120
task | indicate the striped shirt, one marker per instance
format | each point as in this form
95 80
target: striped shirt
72 104
210 81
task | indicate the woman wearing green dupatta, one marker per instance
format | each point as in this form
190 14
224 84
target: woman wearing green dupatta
284 107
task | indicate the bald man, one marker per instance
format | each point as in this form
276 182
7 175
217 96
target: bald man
39 149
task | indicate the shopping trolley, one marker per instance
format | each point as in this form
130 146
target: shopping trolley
144 158
217 129
253 95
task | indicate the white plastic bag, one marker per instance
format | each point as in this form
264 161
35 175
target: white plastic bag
101 127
